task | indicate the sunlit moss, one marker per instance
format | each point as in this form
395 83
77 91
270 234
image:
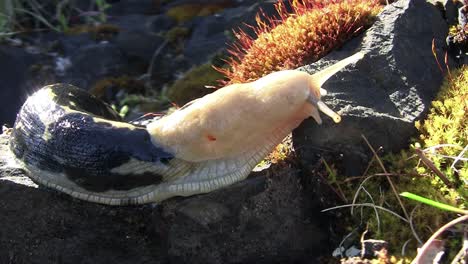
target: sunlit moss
443 136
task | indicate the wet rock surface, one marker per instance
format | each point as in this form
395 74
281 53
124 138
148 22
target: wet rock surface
382 95
264 219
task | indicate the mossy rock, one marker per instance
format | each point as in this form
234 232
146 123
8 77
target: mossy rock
110 86
176 33
97 32
193 84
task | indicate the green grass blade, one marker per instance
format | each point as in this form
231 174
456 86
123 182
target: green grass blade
433 203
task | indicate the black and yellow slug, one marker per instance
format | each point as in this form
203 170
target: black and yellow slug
68 140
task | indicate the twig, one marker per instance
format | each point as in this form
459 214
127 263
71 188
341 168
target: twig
388 178
431 166
447 66
330 172
423 250
441 146
435 56
379 175
340 195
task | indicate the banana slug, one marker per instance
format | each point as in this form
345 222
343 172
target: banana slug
70 141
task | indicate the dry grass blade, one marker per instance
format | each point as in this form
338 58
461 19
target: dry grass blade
388 178
350 179
412 225
459 157
368 205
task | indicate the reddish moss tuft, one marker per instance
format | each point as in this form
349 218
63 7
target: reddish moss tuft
310 31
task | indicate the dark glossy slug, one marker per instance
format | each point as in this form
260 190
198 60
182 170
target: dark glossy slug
68 140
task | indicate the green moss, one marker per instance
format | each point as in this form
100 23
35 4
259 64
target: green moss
445 131
176 33
192 85
445 124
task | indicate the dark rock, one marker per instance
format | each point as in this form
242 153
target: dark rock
159 23
382 95
93 62
451 11
211 34
199 2
262 219
140 36
69 44
126 7
151 24
139 44
15 71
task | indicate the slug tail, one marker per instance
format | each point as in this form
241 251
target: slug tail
322 76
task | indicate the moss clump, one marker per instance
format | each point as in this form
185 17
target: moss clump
443 137
445 134
97 32
176 37
186 12
192 85
176 33
312 30
108 87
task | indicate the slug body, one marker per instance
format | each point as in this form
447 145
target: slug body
68 140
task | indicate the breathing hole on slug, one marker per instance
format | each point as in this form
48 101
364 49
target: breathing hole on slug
210 137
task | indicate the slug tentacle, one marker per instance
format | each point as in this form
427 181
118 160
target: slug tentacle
70 141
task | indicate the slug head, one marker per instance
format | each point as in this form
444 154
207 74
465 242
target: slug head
316 91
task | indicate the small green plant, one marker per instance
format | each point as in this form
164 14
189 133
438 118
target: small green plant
16 15
102 6
433 203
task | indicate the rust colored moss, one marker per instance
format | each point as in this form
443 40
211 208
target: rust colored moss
310 31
